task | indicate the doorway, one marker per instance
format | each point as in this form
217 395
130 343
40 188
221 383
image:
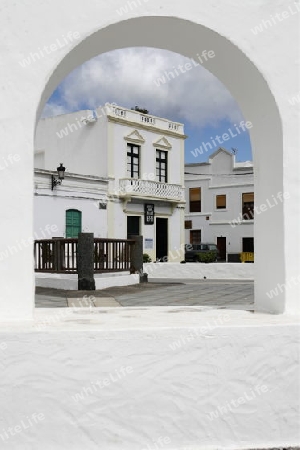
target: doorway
221 244
161 238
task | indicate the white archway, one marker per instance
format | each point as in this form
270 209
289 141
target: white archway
256 101
274 264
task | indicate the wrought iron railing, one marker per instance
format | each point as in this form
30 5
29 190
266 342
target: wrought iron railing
60 255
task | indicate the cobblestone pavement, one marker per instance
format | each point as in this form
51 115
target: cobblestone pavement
223 294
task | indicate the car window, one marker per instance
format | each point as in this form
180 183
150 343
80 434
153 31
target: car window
204 247
212 247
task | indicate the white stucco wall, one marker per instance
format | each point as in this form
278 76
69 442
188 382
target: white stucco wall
211 271
183 375
70 281
79 146
75 192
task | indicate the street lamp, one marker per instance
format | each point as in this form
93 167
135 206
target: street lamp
61 175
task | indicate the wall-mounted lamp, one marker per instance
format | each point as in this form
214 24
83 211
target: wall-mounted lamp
61 175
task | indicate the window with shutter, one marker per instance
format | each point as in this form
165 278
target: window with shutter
248 206
195 199
221 201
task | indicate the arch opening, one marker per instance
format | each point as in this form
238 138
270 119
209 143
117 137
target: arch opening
247 85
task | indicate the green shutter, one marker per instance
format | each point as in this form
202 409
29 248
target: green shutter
73 223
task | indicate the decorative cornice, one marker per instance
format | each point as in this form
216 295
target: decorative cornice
162 143
135 136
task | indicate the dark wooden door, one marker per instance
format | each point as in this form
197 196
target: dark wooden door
221 244
161 238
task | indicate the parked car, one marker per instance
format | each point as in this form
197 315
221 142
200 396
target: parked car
192 251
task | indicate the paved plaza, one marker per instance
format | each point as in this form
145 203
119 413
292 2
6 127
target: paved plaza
223 294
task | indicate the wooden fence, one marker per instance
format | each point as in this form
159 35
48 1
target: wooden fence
60 255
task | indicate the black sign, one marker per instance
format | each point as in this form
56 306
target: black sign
149 213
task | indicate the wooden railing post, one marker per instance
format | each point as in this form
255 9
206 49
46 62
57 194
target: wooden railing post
85 262
136 254
57 256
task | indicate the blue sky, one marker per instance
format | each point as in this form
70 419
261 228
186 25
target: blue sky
151 78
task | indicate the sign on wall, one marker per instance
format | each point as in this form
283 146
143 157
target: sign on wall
148 243
149 213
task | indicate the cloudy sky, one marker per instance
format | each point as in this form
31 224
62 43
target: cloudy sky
136 76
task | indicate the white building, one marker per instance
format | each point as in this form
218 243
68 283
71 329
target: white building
124 176
220 203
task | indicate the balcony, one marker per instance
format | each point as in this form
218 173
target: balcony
131 187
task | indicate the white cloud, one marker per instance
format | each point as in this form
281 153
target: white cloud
128 76
52 109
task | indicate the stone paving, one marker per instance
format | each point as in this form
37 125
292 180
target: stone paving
238 295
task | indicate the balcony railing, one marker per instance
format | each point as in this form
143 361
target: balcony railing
153 189
145 119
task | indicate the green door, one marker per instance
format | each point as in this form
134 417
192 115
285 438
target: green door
73 223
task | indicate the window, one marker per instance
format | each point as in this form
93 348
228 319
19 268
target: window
195 199
133 161
188 224
195 236
133 226
221 201
73 223
248 206
248 244
162 166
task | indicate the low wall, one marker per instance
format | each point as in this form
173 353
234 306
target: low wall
70 281
149 379
212 271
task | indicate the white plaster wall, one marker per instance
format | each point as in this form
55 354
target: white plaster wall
70 281
75 192
169 391
82 148
117 223
148 232
176 244
52 211
212 271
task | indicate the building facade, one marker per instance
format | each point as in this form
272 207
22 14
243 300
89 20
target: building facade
124 176
220 204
